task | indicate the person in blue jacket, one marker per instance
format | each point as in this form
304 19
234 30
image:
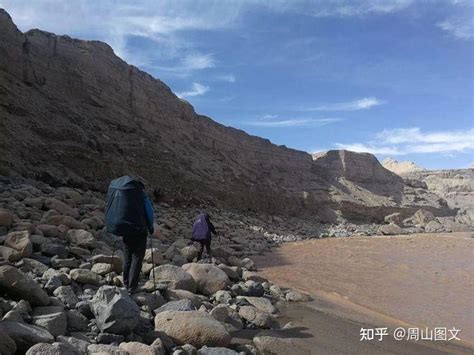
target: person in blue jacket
129 214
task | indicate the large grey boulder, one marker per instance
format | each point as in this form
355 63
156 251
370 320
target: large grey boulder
9 254
57 220
18 286
271 344
81 238
151 300
25 335
216 351
6 218
114 310
174 276
52 349
434 227
209 278
55 204
390 229
7 345
395 218
20 241
79 344
153 256
262 304
422 217
115 260
181 305
51 318
67 295
192 327
189 252
142 349
255 316
176 295
101 349
76 321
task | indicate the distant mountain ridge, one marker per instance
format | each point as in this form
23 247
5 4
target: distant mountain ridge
73 113
400 168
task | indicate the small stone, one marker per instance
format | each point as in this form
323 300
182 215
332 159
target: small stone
66 295
107 338
102 268
85 276
66 263
216 351
20 241
295 296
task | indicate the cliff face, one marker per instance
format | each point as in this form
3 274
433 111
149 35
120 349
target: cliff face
73 113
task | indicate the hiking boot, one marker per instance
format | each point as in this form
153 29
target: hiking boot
133 290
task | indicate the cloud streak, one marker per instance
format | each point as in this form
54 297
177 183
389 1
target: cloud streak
403 141
229 78
300 122
360 104
196 90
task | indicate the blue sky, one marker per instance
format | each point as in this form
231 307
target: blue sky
391 77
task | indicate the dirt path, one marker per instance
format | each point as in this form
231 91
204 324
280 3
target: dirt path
424 280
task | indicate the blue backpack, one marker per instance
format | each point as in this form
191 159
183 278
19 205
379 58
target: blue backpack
125 213
201 229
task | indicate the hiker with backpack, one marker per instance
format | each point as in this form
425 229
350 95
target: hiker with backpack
129 214
202 232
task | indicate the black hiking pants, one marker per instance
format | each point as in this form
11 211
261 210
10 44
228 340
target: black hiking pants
133 253
207 244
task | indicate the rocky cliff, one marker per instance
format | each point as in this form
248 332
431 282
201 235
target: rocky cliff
73 113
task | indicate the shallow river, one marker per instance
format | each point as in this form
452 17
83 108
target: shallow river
423 280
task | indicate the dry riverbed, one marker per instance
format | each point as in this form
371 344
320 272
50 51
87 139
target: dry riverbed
422 280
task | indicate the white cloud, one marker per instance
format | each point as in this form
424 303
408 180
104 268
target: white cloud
230 78
402 141
185 66
460 24
196 90
346 8
269 116
302 122
461 27
361 104
163 22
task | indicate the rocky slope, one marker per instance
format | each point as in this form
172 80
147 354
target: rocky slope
74 114
60 283
455 186
60 276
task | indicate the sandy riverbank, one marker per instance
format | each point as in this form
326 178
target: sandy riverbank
421 280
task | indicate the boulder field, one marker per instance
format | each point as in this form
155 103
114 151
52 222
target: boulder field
61 287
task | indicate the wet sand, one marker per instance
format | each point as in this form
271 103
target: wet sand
419 280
